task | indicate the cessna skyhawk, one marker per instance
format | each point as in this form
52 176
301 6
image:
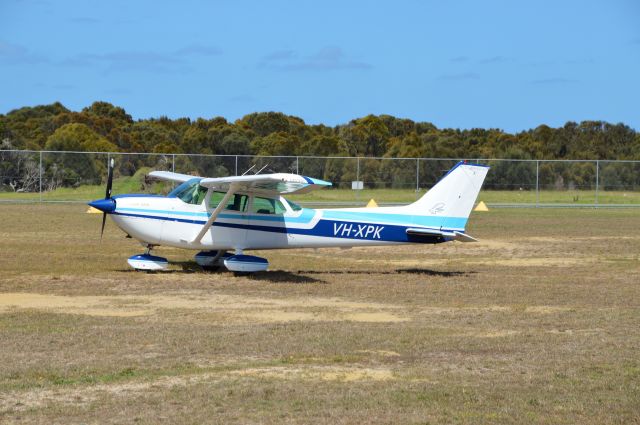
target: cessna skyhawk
224 217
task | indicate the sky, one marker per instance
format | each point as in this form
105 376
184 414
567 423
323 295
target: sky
511 65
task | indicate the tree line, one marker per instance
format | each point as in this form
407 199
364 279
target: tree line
105 127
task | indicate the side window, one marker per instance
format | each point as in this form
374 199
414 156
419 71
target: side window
236 203
267 206
216 197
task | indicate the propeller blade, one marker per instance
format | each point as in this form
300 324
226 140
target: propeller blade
109 182
104 219
107 194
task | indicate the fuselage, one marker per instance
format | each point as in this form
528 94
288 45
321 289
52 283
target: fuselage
255 221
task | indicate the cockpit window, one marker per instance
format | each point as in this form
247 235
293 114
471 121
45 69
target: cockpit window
267 206
190 192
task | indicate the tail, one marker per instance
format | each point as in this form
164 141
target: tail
452 198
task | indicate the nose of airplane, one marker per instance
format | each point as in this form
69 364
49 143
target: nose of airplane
104 205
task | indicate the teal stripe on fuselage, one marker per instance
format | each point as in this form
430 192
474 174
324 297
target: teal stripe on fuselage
307 215
405 219
145 210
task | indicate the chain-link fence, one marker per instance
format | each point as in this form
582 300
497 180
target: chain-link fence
51 176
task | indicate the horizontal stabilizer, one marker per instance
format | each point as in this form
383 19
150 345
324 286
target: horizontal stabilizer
456 236
463 237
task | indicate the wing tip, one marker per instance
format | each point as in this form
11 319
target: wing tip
318 182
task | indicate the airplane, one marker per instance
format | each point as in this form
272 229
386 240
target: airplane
224 217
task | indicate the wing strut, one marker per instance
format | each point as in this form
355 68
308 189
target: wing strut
214 214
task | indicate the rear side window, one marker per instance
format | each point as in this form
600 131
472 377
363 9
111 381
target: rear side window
294 206
267 206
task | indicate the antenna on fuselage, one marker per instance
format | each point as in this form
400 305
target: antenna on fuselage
251 168
260 170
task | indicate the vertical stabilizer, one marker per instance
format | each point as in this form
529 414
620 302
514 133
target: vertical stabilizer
453 197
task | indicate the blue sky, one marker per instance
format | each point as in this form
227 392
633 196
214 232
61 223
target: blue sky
499 64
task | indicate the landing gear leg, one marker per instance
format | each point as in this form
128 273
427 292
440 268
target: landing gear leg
211 260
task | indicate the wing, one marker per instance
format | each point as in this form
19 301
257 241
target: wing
275 183
168 175
272 183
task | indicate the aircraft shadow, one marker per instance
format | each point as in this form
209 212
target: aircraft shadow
283 276
274 276
427 272
303 276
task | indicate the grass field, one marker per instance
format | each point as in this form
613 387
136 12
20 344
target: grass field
539 322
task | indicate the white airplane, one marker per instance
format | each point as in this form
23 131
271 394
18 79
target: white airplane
242 213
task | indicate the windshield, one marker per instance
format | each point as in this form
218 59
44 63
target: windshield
190 192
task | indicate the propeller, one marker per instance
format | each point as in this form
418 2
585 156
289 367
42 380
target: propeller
107 194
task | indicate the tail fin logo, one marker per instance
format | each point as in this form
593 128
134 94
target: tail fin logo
437 208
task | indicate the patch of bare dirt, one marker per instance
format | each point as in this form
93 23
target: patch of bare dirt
495 334
319 373
82 395
238 308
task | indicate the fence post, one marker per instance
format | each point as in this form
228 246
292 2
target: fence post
358 178
236 165
597 180
40 176
297 163
173 162
537 183
417 176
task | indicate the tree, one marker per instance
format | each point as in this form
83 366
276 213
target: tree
235 142
78 137
321 145
366 136
265 123
76 169
275 144
105 109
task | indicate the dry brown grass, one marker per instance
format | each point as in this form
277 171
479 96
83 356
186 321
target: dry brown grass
537 323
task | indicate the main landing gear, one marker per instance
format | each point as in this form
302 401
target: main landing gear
148 262
208 260
213 260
